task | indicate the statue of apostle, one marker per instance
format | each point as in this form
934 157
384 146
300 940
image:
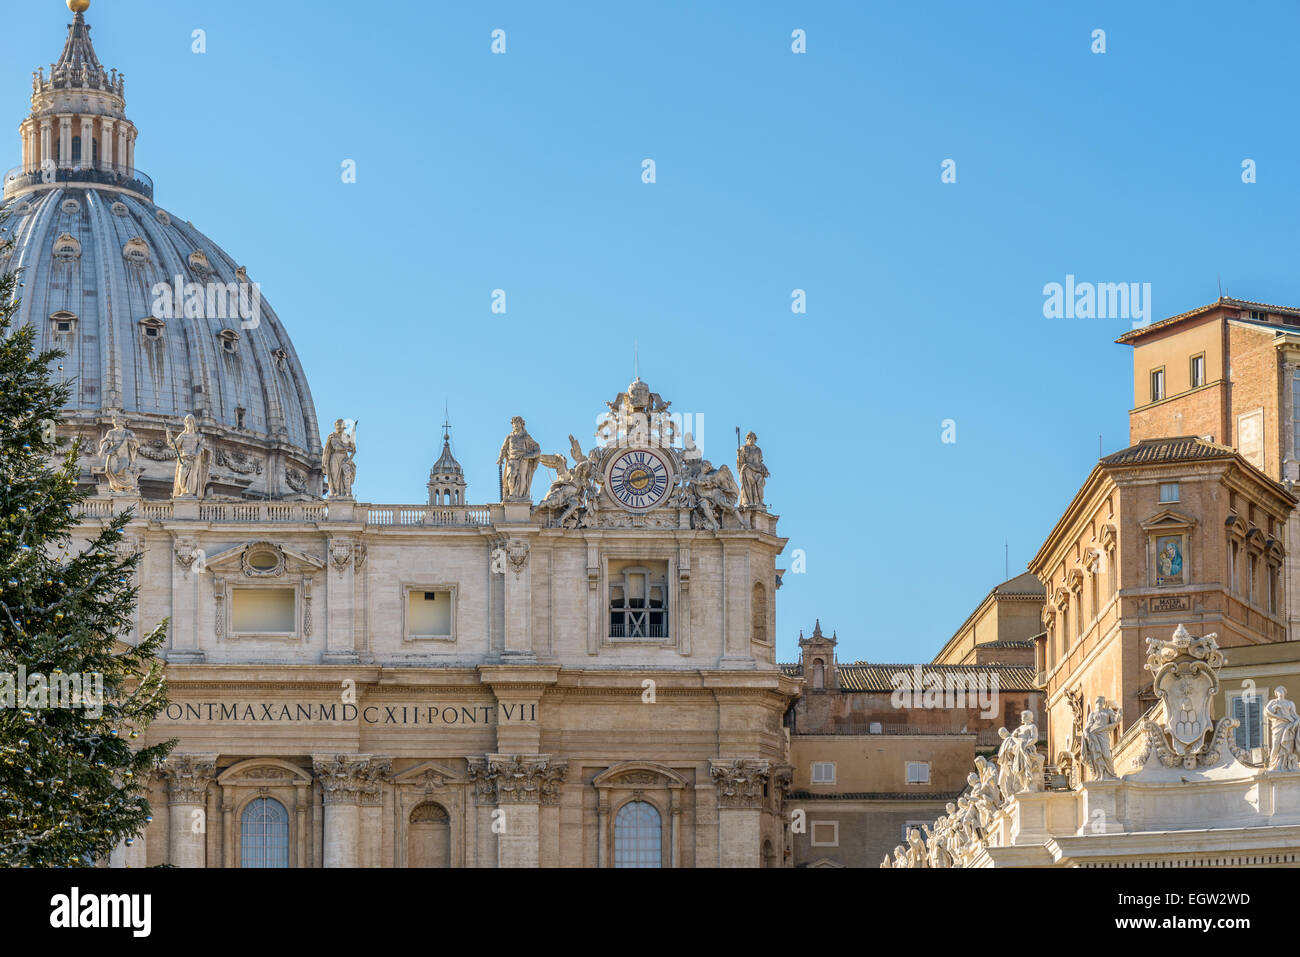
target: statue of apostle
119 447
753 474
339 454
1283 725
1095 743
519 454
192 456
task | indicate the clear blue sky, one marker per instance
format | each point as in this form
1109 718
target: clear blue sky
775 171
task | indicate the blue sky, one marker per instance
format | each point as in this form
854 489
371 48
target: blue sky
775 172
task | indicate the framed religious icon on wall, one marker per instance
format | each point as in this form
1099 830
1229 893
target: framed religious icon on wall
1169 560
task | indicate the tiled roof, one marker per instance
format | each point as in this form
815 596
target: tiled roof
1182 448
1246 304
1024 643
864 676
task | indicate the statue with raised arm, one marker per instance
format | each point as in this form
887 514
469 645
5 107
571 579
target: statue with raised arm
520 454
119 447
192 456
339 460
1283 721
1095 741
753 474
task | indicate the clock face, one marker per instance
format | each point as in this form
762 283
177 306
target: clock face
639 479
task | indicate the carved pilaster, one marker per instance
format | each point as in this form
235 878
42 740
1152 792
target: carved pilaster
740 782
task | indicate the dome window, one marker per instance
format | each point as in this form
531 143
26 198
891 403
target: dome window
22 209
281 359
151 329
199 263
136 251
229 341
162 218
119 209
67 248
64 323
71 206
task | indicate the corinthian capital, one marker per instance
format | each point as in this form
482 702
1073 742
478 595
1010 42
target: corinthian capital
188 777
740 782
351 778
526 779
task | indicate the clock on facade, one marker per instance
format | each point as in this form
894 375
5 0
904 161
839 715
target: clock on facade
639 479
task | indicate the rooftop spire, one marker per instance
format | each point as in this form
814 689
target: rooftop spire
78 59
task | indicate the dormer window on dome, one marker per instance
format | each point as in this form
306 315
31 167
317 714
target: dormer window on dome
151 329
199 263
281 359
67 248
136 250
229 339
64 323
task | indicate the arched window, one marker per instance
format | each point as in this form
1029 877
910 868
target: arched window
264 834
638 836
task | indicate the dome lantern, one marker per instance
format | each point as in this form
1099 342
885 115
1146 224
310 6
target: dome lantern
77 131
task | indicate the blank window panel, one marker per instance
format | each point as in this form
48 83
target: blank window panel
262 611
428 614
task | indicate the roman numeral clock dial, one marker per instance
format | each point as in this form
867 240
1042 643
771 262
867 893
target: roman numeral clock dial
639 479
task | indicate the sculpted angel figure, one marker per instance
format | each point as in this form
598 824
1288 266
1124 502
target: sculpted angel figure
119 447
706 488
520 454
753 473
573 488
1283 723
192 455
339 454
1095 742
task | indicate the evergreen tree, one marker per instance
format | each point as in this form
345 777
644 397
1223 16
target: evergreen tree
71 784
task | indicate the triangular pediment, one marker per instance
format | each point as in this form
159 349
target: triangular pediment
429 774
263 559
1168 518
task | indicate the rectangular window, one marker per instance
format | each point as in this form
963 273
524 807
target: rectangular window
1274 591
1251 566
1157 384
1168 491
823 772
917 825
1198 370
262 611
428 613
1248 709
918 772
638 600
1232 567
825 834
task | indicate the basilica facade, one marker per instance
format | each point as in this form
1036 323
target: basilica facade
585 680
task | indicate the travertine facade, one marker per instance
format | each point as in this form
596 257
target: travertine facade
588 681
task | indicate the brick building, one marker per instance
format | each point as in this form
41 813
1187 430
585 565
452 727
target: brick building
876 748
